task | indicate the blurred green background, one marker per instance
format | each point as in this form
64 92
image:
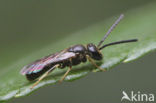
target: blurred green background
28 26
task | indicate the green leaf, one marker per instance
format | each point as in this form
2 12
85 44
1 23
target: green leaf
138 23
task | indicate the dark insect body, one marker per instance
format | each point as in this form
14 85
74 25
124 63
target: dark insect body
69 57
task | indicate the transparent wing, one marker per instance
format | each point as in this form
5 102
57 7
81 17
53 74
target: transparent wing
41 63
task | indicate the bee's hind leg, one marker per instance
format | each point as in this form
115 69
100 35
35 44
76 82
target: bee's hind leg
44 75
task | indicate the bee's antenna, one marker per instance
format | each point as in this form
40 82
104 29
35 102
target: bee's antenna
110 29
118 42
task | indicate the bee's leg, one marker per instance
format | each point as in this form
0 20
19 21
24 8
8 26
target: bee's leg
44 75
92 61
70 67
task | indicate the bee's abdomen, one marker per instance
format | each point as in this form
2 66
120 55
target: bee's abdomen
34 75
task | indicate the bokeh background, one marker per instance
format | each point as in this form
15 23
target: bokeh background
26 26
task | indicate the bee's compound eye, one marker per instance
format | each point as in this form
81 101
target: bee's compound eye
93 52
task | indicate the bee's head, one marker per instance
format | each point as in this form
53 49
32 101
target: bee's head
94 52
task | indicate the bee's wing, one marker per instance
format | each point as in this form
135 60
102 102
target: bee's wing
37 65
41 63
